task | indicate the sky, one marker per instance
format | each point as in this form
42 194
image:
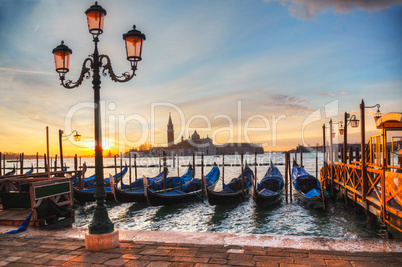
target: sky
267 72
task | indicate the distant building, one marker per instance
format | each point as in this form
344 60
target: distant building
196 144
170 132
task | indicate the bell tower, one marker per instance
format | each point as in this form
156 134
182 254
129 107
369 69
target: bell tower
170 132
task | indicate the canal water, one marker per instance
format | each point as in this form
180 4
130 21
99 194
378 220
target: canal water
283 219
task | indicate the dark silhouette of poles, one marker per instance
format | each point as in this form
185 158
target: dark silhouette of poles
255 170
164 172
223 171
242 174
129 170
202 174
135 167
193 165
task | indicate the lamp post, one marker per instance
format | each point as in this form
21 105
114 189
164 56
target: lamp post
101 224
377 115
77 137
344 131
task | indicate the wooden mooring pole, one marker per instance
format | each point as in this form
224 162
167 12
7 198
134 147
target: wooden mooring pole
47 151
286 177
223 170
255 170
202 175
3 158
301 158
22 163
129 170
178 165
164 172
61 149
135 167
115 165
121 168
37 162
160 166
363 154
193 165
242 174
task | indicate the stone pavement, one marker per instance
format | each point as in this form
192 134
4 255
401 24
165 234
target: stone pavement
52 250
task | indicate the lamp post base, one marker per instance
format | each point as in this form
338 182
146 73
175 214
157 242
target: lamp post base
95 242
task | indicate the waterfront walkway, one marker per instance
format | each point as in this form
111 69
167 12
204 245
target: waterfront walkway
155 248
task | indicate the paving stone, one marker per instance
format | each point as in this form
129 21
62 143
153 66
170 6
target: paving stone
335 263
12 258
268 264
299 254
241 263
183 253
241 257
116 262
156 258
278 253
131 256
324 256
182 264
190 259
209 265
210 255
273 259
362 263
159 264
156 252
292 265
309 261
95 258
217 261
136 263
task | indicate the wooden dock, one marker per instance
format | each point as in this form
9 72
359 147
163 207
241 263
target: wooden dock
369 179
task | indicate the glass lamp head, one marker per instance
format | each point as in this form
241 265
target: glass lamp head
95 15
134 39
62 58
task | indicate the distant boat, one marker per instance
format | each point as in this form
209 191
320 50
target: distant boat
270 189
308 186
233 193
188 192
30 170
12 172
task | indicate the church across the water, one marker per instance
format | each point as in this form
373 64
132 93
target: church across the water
196 144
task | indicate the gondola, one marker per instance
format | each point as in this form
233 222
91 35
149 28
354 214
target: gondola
87 194
189 192
308 186
137 194
270 189
233 193
12 172
90 181
30 170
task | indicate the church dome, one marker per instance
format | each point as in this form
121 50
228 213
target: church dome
195 136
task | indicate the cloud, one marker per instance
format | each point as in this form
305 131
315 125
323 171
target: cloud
308 9
325 93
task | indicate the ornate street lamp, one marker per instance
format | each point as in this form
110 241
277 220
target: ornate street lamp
101 223
77 136
352 121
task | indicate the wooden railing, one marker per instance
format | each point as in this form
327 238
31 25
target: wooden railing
347 179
